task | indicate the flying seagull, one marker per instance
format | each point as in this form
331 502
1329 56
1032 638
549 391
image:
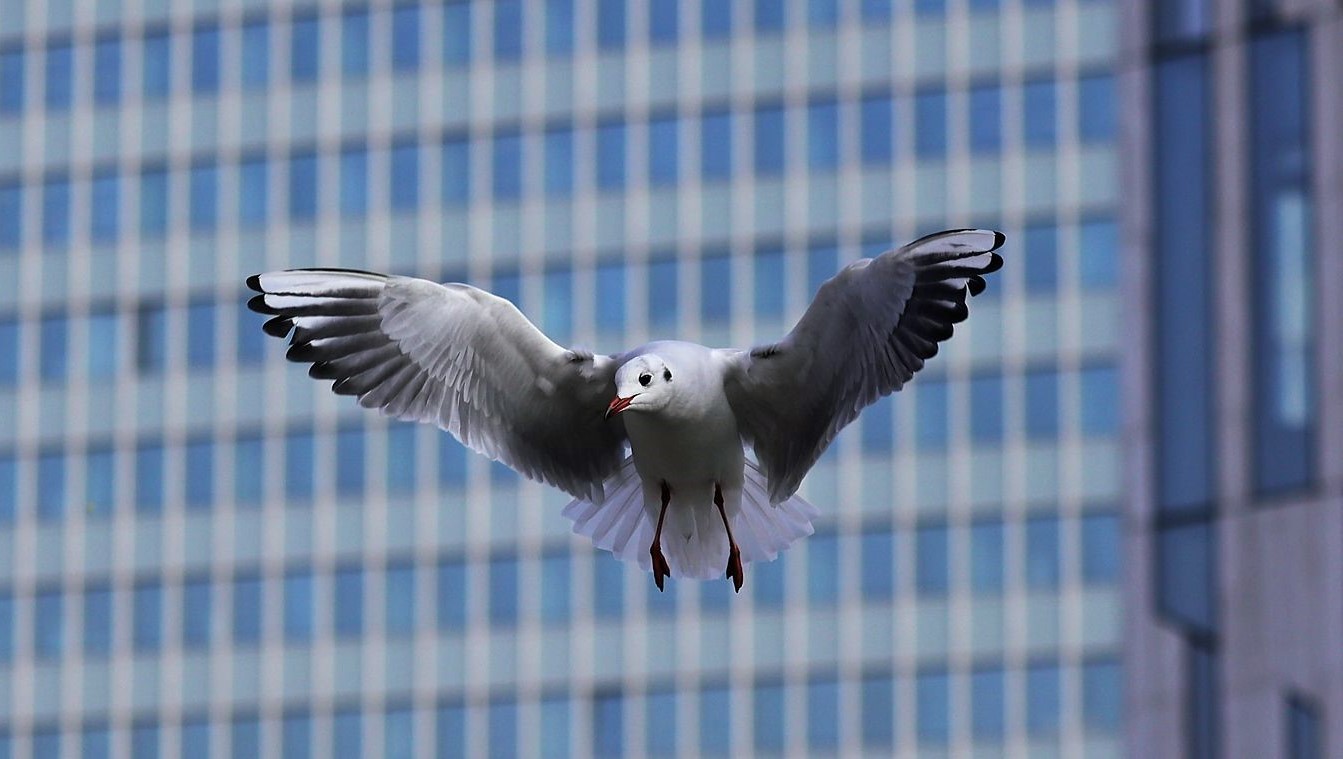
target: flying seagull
471 363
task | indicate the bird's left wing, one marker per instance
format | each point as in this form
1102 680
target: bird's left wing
455 356
868 331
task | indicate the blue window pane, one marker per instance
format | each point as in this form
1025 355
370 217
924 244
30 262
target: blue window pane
205 59
716 144
457 33
504 591
1042 404
304 49
54 339
350 462
255 57
451 462
147 616
1037 108
348 604
406 38
877 700
298 605
456 185
1098 249
988 704
986 119
660 728
251 347
96 742
557 307
302 186
354 181
56 212
769 140
249 470
145 740
823 13
506 157
99 485
246 609
559 27
663 150
608 725
156 63
253 191
769 16
715 19
716 288
610 24
149 478
930 124
50 486
823 568
986 409
9 471
1102 695
715 704
203 201
347 734
245 737
401 458
503 728
823 714
877 564
1100 400
104 206
770 287
877 129
770 587
768 728
1097 108
298 464
610 305
987 557
1101 548
195 738
405 179
103 353
932 569
878 427
450 732
201 335
153 202
296 735
1040 244
611 156
507 30
608 587
823 135
556 582
1042 553
106 71
47 743
933 693
1043 686
6 626
196 613
354 43
932 426
11 215
48 624
97 621
400 599
398 733
450 594
930 6
663 21
59 75
11 80
663 299
559 160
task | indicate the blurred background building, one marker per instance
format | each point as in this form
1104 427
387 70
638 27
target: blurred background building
205 553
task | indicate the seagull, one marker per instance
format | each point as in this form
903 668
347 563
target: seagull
651 443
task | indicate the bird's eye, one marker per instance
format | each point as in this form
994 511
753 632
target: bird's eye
645 378
666 375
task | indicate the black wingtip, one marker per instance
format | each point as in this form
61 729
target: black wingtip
998 239
254 283
975 284
995 263
258 304
278 327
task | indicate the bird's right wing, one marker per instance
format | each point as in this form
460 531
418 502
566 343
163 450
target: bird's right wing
455 356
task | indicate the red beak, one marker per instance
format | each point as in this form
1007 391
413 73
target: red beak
618 405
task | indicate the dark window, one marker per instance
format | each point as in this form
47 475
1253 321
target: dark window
398 733
715 714
988 704
1043 698
451 462
199 474
156 65
610 24
48 623
556 583
450 591
296 735
1038 106
106 71
1097 108
104 206
1042 553
298 605
823 14
457 33
770 146
196 613
60 75
246 737
503 591
507 30
145 740
506 157
932 409
1181 20
559 168
877 704
1098 245
663 150
246 609
54 339
611 156
9 351
610 306
1100 401
149 478
51 485
663 301
663 21
153 202
302 186
716 144
769 16
348 604
1101 548
147 618
823 714
1186 574
823 568
770 287
987 556
877 129
205 59
1102 695
299 448
456 171
195 738
11 215
203 200
304 49
347 734
1040 244
1304 736
715 287
56 212
559 27
1203 709
608 725
823 149
255 58
933 692
608 588
986 118
11 80
450 731
354 43
1042 404
9 471
406 38
97 620
401 458
877 563
986 409
715 19
932 569
930 124
399 599
350 475
405 179
354 181
201 335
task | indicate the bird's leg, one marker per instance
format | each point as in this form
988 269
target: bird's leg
661 569
734 567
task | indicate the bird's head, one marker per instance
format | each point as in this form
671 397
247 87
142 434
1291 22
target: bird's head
644 383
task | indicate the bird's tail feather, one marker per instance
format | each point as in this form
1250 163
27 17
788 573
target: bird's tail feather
693 539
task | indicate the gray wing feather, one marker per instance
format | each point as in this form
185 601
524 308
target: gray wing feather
458 357
869 329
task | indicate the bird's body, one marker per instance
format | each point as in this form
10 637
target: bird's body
471 363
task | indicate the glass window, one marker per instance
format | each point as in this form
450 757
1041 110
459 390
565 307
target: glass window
201 335
610 155
1097 106
456 171
877 129
350 459
769 137
354 181
103 344
933 691
716 287
930 124
768 727
450 593
1043 685
716 145
6 625
195 738
1042 404
255 58
56 212
663 21
506 158
608 587
104 206
9 471
50 485
663 298
929 7
877 706
246 737
556 581
986 409
298 463
715 19
106 71
663 149
608 724
347 734
610 301
246 609
1100 400
457 33
304 49
507 30
156 65
145 740
298 605
932 570
769 16
153 202
878 427
1042 552
823 134
986 118
296 735
770 287
1038 110
149 477
715 715
251 347
99 485
302 186
987 704
196 612
204 197
823 568
611 24
559 27
450 731
1040 244
253 191
877 563
96 741
147 616
823 13
557 307
48 624
1102 695
348 604
987 557
60 75
932 409
11 80
1101 548
1098 260
401 458
1181 20
47 742
11 215
406 38
405 180
559 160
398 733
97 620
354 43
823 714
400 599
205 59
249 469
451 462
